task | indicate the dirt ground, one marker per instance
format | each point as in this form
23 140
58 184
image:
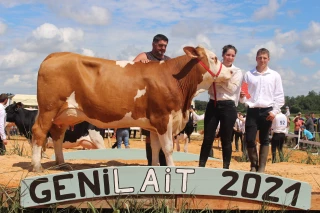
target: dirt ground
15 165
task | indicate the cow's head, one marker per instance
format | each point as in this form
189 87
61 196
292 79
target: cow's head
12 111
212 69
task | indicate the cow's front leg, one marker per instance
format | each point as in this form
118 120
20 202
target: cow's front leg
167 146
39 136
155 147
57 134
176 141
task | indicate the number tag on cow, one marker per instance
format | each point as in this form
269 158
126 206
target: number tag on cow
102 182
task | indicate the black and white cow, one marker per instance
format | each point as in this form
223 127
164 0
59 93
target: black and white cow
83 134
184 134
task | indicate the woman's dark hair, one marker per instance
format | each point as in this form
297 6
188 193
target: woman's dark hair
228 47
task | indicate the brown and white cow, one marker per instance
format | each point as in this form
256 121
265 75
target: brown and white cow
72 88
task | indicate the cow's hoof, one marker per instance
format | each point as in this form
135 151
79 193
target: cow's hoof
63 166
37 168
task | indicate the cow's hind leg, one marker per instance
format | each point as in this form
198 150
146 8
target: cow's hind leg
57 134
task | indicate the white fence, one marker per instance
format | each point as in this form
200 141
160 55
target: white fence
314 143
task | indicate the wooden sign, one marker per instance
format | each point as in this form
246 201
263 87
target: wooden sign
144 180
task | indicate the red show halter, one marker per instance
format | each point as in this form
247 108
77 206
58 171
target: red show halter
214 76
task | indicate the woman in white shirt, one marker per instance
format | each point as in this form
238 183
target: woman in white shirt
222 110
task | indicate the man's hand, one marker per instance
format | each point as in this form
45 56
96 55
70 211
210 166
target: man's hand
270 117
145 61
242 94
5 141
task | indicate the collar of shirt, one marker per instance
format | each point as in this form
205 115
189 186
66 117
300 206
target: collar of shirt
256 72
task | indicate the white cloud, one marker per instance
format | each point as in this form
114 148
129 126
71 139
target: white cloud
17 81
288 77
268 11
48 38
82 12
308 62
50 31
16 58
203 40
13 3
276 51
87 52
317 75
285 38
310 39
3 27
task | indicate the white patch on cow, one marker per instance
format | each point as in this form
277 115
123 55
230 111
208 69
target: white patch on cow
161 62
178 121
166 141
71 100
83 138
36 157
140 93
96 139
72 112
124 63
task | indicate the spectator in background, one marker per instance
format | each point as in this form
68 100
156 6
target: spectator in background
297 124
309 123
315 122
307 134
287 111
3 137
301 118
122 135
278 130
237 131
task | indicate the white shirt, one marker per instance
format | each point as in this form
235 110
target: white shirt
287 113
197 117
243 125
229 90
2 122
265 90
279 124
239 125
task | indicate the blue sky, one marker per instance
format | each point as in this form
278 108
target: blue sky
121 29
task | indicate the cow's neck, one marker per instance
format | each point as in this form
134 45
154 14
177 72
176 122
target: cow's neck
187 78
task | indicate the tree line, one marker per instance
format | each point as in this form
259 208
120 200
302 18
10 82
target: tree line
300 103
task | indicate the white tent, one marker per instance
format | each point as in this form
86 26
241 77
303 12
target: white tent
27 100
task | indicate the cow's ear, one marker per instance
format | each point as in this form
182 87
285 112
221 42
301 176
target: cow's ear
191 51
19 104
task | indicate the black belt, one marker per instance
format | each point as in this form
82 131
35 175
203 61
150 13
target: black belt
260 107
223 101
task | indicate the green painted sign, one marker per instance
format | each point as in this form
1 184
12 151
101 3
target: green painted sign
144 180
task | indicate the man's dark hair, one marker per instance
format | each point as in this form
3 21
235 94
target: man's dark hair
263 51
160 37
228 47
3 97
